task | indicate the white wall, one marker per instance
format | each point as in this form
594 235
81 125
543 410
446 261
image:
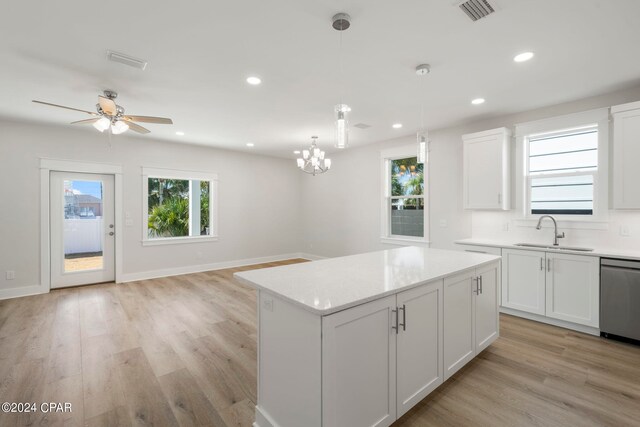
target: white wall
259 199
342 208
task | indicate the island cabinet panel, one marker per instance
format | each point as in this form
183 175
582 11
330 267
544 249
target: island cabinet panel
359 365
487 306
289 364
419 344
459 312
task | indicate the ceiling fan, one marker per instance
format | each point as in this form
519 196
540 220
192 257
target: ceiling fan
111 116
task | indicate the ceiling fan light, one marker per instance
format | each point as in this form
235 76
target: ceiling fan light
300 163
102 124
119 127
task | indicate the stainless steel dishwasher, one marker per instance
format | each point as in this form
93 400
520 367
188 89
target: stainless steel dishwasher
620 299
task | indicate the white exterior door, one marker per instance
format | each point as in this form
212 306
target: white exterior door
459 314
359 365
487 307
82 229
523 280
573 288
419 344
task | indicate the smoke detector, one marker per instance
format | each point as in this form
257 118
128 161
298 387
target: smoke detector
341 21
476 9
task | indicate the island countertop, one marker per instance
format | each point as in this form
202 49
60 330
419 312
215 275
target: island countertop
334 284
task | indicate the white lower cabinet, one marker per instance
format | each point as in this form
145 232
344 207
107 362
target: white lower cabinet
523 280
419 344
573 288
555 285
359 365
470 320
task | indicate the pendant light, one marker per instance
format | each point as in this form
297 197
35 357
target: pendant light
422 136
341 22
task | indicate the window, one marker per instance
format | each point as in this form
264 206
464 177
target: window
562 171
563 167
404 214
178 205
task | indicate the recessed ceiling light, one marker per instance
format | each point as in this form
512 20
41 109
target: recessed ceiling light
254 80
396 125
296 152
249 144
523 57
180 133
478 101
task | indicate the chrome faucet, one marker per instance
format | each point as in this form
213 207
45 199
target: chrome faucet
556 235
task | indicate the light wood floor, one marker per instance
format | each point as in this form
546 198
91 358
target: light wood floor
181 351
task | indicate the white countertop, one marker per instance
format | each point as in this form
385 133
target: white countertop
333 284
602 252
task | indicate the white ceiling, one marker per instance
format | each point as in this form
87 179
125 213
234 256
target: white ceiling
200 53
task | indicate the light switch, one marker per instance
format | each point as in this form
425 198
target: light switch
10 274
443 223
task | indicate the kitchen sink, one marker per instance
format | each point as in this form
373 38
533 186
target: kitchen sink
560 248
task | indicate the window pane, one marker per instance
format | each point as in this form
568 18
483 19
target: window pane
407 217
204 208
83 227
575 151
569 195
407 177
168 207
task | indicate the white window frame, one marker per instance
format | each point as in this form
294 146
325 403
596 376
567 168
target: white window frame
386 156
148 172
598 117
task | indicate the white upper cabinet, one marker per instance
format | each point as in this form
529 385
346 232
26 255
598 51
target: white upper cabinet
626 152
486 181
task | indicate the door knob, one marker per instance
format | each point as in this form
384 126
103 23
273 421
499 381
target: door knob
111 233
110 225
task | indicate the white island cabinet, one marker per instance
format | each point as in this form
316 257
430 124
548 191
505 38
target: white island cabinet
359 340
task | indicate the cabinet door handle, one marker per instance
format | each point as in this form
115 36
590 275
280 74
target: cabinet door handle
499 198
404 317
548 264
480 279
477 289
396 325
541 263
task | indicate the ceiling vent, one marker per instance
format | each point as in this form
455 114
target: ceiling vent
362 126
476 9
126 60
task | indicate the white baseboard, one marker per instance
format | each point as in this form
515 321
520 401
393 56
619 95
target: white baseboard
167 272
311 257
22 292
263 419
146 275
555 322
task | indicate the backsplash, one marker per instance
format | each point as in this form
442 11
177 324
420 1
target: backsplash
509 227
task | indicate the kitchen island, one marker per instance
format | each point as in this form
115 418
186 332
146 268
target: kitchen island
359 340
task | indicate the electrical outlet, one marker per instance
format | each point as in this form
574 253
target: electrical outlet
10 274
268 304
624 231
505 226
443 223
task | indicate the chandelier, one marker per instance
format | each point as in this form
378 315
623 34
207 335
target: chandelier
313 161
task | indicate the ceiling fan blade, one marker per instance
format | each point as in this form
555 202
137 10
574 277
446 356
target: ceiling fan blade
87 121
136 128
62 106
107 105
150 119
